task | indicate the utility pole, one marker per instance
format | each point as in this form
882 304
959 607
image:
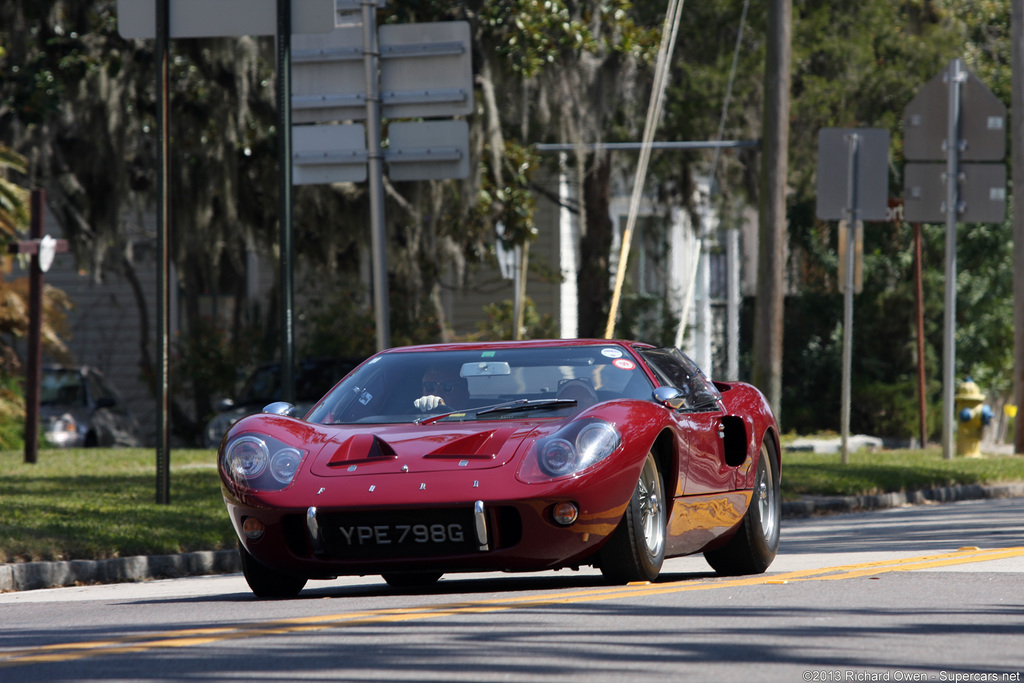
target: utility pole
1017 173
771 268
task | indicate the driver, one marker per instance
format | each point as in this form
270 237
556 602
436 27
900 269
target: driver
442 387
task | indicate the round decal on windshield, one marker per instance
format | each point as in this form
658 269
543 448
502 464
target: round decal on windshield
623 363
611 353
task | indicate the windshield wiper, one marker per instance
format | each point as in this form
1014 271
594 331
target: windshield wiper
519 406
524 405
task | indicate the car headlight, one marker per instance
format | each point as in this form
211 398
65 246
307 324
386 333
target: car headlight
260 463
570 451
62 431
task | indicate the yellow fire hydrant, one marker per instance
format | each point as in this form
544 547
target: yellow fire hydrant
973 416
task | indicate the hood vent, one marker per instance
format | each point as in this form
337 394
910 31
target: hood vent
361 448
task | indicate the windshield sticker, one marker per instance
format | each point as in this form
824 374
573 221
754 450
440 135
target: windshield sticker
624 364
487 354
611 353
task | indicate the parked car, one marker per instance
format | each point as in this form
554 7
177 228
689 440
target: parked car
78 407
313 377
506 456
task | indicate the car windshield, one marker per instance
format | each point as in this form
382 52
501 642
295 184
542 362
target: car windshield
483 384
62 387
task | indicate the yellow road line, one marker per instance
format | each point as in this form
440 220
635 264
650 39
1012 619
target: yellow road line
62 652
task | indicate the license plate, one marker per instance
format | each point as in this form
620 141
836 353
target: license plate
388 535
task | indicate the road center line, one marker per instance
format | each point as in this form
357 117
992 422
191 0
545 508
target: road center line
63 652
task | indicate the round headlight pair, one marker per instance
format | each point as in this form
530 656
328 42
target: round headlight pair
248 458
559 456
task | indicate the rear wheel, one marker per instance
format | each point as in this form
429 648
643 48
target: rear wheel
264 581
412 580
636 549
753 547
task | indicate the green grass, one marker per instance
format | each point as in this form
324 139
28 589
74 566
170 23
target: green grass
94 504
891 471
100 503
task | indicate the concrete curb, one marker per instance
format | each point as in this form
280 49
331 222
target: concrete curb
34 575
23 576
823 505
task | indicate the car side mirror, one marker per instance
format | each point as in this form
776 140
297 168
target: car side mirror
280 408
670 397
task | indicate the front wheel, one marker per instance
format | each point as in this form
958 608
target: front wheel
636 549
264 581
753 547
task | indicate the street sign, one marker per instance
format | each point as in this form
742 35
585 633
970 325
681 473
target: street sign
983 126
426 71
222 18
328 154
981 193
871 173
328 76
428 150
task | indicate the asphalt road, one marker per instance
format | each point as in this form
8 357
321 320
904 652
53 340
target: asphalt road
930 593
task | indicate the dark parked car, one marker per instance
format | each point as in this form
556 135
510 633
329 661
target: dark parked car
313 377
506 456
78 407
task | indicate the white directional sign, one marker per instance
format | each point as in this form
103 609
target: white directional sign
222 18
425 71
428 150
328 154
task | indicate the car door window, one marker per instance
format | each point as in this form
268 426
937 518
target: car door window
676 370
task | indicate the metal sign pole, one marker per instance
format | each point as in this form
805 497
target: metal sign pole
956 76
853 140
163 454
375 171
287 239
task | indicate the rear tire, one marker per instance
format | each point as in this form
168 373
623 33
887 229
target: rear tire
753 547
264 581
636 549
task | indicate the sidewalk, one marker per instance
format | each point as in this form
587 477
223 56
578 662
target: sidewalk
35 575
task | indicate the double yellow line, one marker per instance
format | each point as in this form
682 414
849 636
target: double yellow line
63 652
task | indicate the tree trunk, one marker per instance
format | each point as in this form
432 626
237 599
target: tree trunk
592 281
1017 172
771 270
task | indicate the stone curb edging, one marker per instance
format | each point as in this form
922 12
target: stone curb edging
818 505
23 576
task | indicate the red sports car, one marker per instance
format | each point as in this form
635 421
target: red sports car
506 456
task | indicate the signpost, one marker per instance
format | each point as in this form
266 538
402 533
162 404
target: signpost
166 19
852 188
953 119
361 73
42 249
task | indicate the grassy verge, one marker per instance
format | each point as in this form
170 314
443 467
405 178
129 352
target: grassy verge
889 471
94 504
100 503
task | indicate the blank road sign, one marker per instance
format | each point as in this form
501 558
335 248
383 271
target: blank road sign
981 192
328 154
982 121
222 18
428 150
871 173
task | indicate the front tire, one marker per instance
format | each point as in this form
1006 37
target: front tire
636 549
753 547
264 581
